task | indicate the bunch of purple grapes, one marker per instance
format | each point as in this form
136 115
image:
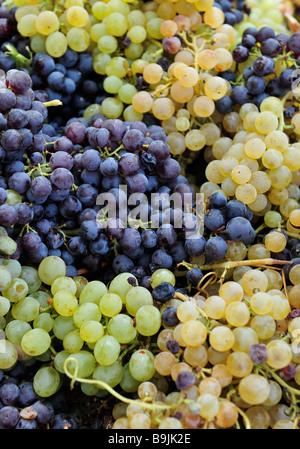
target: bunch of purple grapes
255 86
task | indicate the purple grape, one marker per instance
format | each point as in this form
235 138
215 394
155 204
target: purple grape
41 187
7 99
76 132
31 241
8 215
61 159
9 417
9 393
185 380
116 129
129 164
258 353
61 178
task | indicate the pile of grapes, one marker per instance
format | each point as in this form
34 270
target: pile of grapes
149 214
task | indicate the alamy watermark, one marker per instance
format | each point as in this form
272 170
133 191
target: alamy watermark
296 82
185 212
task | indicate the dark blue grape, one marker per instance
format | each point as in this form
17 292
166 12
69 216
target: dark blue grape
194 276
239 229
216 248
163 292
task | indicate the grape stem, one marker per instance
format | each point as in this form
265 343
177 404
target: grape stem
281 381
107 387
236 263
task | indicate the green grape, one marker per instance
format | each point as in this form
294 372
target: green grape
91 331
46 381
107 350
3 231
153 28
51 268
141 365
73 342
47 23
7 245
86 363
8 354
26 309
117 6
31 276
59 360
91 110
98 30
107 44
112 84
121 285
15 330
131 115
42 298
5 278
37 43
64 283
99 10
112 107
17 290
13 266
26 25
57 43
117 66
116 24
62 326
148 320
80 282
272 219
128 383
100 62
126 92
35 342
110 304
162 275
121 327
65 303
2 322
137 34
136 298
136 17
89 389
92 292
86 312
4 306
134 51
112 374
13 197
78 39
44 321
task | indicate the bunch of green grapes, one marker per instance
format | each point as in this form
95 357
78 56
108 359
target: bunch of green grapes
47 316
257 162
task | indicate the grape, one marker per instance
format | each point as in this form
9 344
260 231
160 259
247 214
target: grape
8 354
46 381
51 268
107 350
141 365
35 341
111 374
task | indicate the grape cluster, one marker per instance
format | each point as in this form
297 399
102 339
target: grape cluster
234 332
182 318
